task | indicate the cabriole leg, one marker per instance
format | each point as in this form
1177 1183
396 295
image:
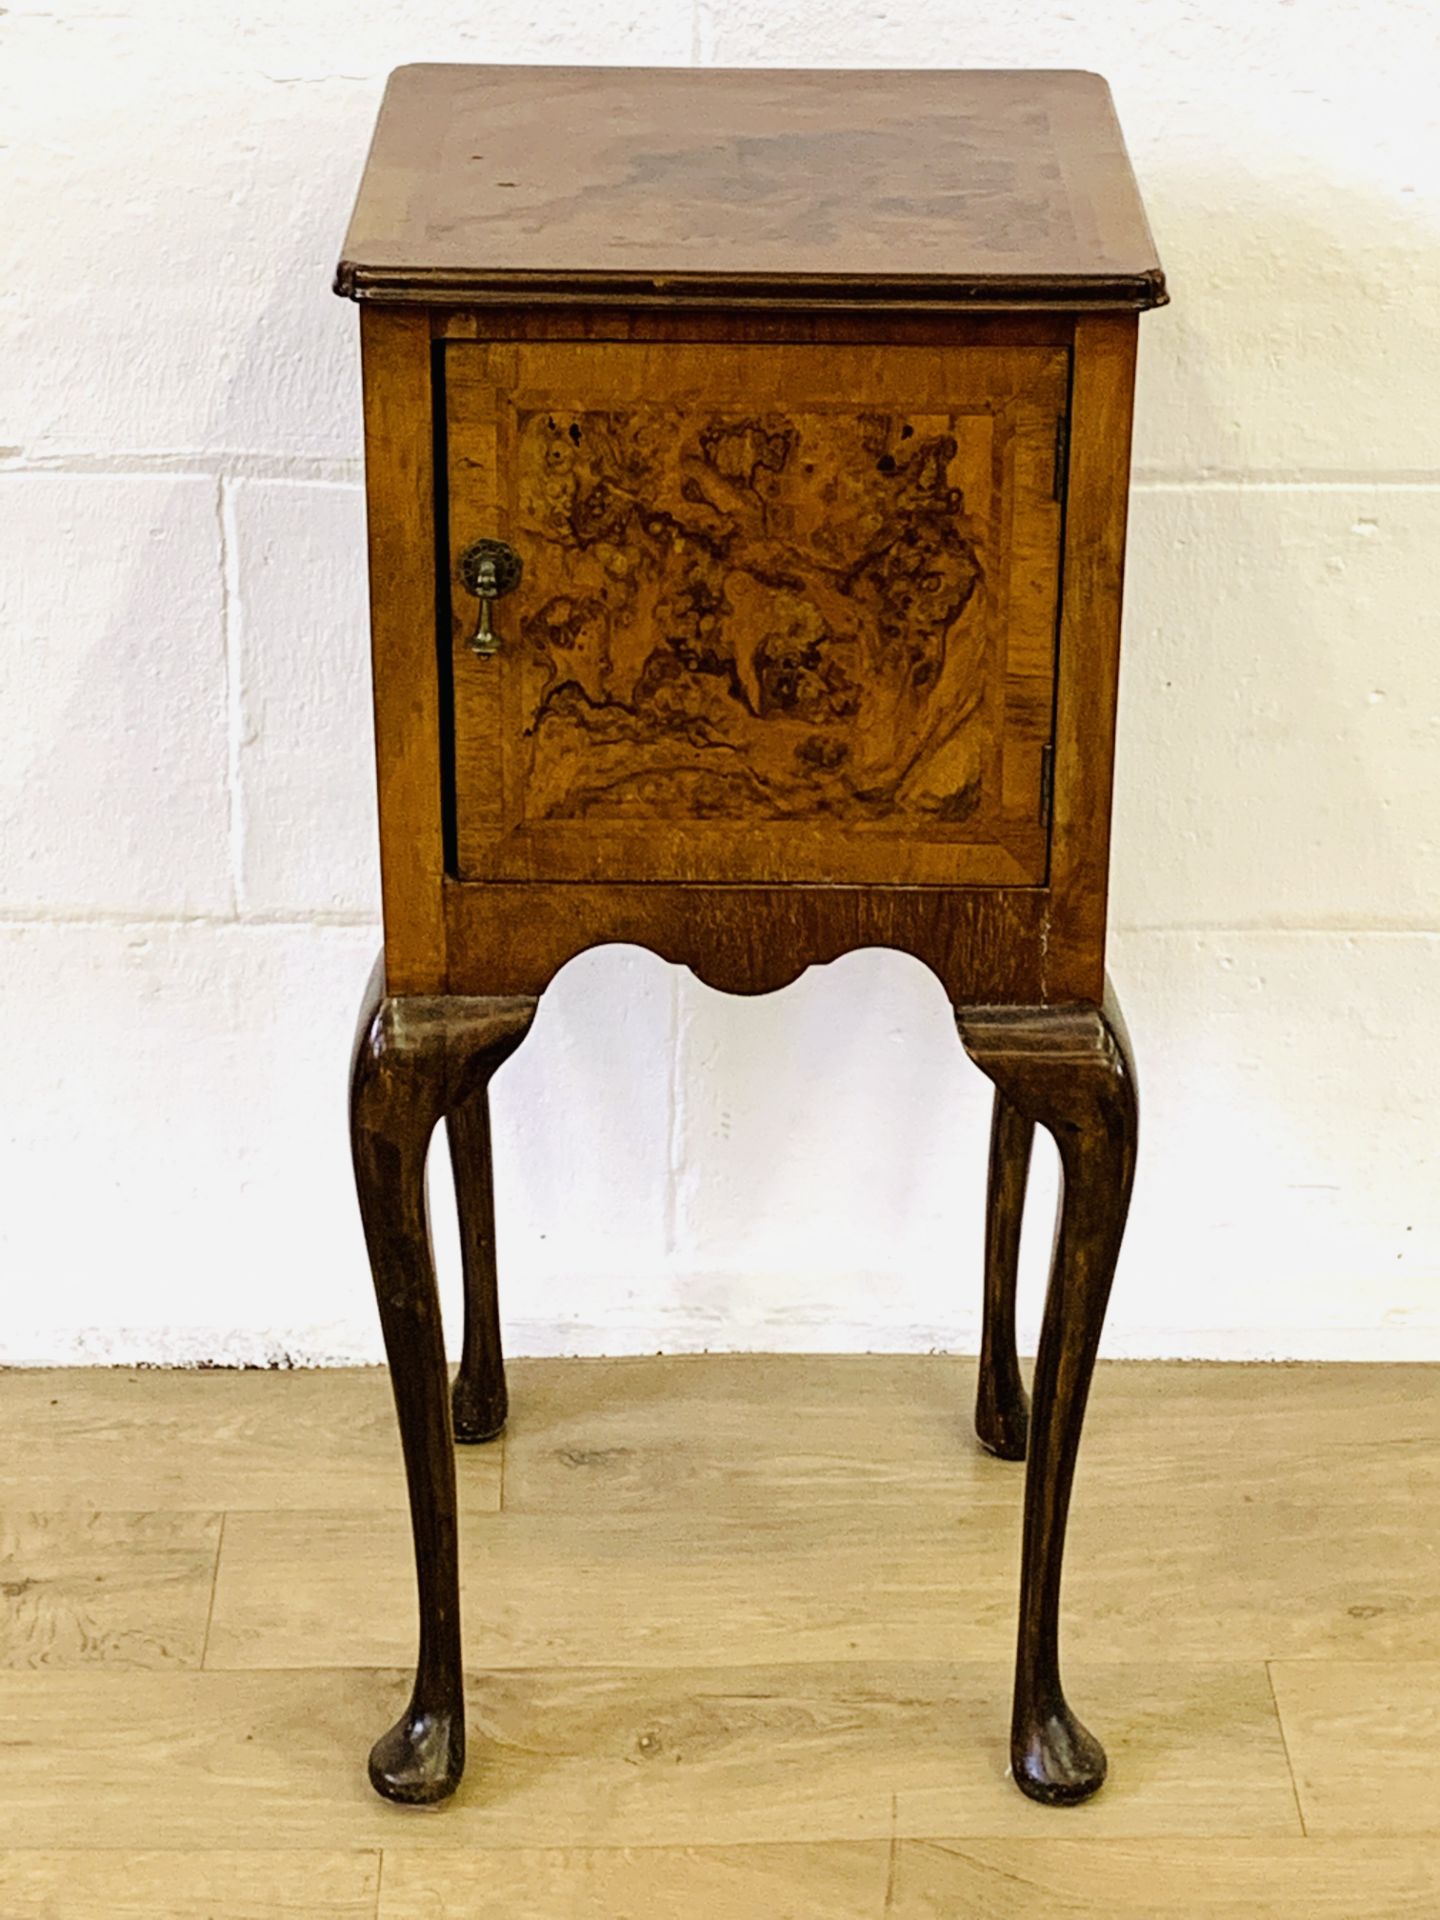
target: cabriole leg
479 1401
1002 1412
1068 1069
417 1060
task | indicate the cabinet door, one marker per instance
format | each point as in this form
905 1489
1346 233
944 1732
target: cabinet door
787 612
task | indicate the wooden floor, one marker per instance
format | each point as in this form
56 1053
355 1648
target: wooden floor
740 1631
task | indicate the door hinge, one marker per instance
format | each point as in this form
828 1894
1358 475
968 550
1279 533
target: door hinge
1047 782
1062 456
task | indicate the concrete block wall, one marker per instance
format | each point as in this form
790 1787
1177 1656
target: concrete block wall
188 889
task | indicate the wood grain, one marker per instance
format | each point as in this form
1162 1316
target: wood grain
1070 1071
133 1883
1338 1578
992 919
1170 1879
1002 1405
985 1879
416 1060
996 944
973 188
1164 1725
1367 1435
982 945
839 1881
1364 1741
649 1591
763 632
713 1756
90 1438
1250 1581
724 1431
105 1589
756 326
1097 504
701 1770
752 1435
400 516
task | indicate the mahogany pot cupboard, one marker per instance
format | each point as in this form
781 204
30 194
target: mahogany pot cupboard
747 458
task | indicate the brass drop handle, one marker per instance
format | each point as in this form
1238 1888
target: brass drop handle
489 568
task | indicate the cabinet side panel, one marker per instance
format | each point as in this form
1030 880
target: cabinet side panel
1097 501
399 488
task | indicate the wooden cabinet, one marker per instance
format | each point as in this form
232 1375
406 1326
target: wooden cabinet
747 459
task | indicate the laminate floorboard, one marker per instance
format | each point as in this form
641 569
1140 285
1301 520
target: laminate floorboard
740 1631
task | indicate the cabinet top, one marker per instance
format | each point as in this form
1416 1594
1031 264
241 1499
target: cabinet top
979 188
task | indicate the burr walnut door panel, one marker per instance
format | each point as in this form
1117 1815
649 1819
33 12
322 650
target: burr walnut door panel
787 612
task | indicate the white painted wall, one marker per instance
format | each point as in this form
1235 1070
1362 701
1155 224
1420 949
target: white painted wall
188 885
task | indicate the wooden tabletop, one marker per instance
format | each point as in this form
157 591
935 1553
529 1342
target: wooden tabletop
982 188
